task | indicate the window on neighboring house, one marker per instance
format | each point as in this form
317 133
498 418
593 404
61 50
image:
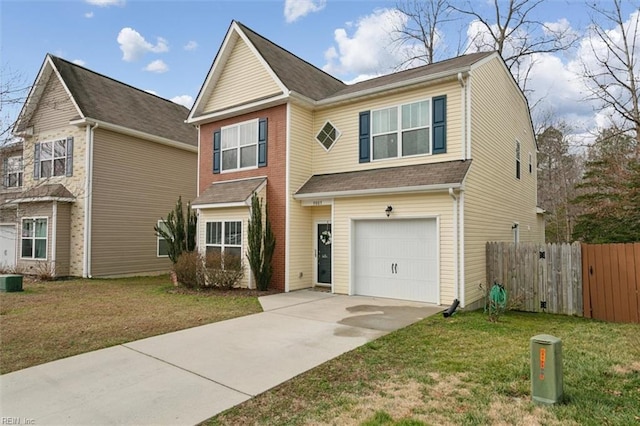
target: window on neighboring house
328 135
34 238
401 131
163 245
13 172
517 160
530 163
239 145
224 237
54 158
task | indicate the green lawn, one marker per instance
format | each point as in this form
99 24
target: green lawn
462 370
57 319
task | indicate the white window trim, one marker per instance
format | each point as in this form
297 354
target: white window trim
46 238
338 134
222 244
399 130
19 174
237 148
53 158
158 238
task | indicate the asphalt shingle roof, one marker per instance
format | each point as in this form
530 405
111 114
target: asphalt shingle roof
392 178
105 99
56 190
236 191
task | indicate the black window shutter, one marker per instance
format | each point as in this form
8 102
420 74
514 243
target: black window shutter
36 162
216 151
364 136
262 142
439 124
69 170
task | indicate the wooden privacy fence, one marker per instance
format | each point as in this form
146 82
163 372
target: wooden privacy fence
611 280
538 277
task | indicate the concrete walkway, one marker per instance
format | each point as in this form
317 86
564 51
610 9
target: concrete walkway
188 376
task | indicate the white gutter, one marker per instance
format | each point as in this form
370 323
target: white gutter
364 192
198 165
134 133
455 245
463 95
88 189
54 231
287 206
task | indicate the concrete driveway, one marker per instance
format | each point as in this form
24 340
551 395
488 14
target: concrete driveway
188 376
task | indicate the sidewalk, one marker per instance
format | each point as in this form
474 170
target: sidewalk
188 376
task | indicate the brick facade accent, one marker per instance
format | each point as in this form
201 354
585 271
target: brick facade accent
275 171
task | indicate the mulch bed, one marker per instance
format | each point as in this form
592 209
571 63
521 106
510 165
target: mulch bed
234 292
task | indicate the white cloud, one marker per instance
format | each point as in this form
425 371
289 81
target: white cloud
153 92
106 3
295 9
133 45
192 45
184 100
157 66
79 62
370 49
88 15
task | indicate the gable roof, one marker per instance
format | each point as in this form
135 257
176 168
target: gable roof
310 83
414 178
110 101
295 73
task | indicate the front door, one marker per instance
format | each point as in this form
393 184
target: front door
323 253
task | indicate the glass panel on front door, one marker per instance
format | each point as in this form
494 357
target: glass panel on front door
324 253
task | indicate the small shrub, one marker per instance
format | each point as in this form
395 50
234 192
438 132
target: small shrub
189 270
45 271
223 271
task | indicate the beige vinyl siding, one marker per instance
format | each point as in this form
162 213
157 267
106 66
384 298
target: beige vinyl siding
55 108
344 154
493 198
243 79
63 239
135 183
300 233
435 205
232 214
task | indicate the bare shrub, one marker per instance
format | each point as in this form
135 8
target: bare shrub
223 270
189 270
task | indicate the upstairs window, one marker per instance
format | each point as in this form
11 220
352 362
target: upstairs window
53 158
239 144
13 172
401 131
328 135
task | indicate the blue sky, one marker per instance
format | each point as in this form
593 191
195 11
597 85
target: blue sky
167 47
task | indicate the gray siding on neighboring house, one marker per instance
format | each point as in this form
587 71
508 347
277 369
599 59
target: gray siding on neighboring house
63 239
135 183
55 110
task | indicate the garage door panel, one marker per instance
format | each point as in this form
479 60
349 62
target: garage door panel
396 259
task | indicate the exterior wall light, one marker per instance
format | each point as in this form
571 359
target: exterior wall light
388 210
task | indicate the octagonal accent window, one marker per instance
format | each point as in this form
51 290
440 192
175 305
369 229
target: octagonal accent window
328 135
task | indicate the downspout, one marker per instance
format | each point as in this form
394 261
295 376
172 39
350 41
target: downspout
88 189
54 231
455 244
464 115
461 276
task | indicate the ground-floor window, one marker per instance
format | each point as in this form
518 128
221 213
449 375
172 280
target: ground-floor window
163 245
224 237
34 238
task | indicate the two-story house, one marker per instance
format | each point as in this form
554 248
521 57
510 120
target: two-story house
101 162
390 187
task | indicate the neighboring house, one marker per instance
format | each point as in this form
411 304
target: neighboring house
390 187
101 163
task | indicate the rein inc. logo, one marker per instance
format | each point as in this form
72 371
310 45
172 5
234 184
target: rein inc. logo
16 421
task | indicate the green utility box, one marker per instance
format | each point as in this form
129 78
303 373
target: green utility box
546 369
10 283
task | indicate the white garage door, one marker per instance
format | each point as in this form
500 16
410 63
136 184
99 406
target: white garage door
397 259
7 246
